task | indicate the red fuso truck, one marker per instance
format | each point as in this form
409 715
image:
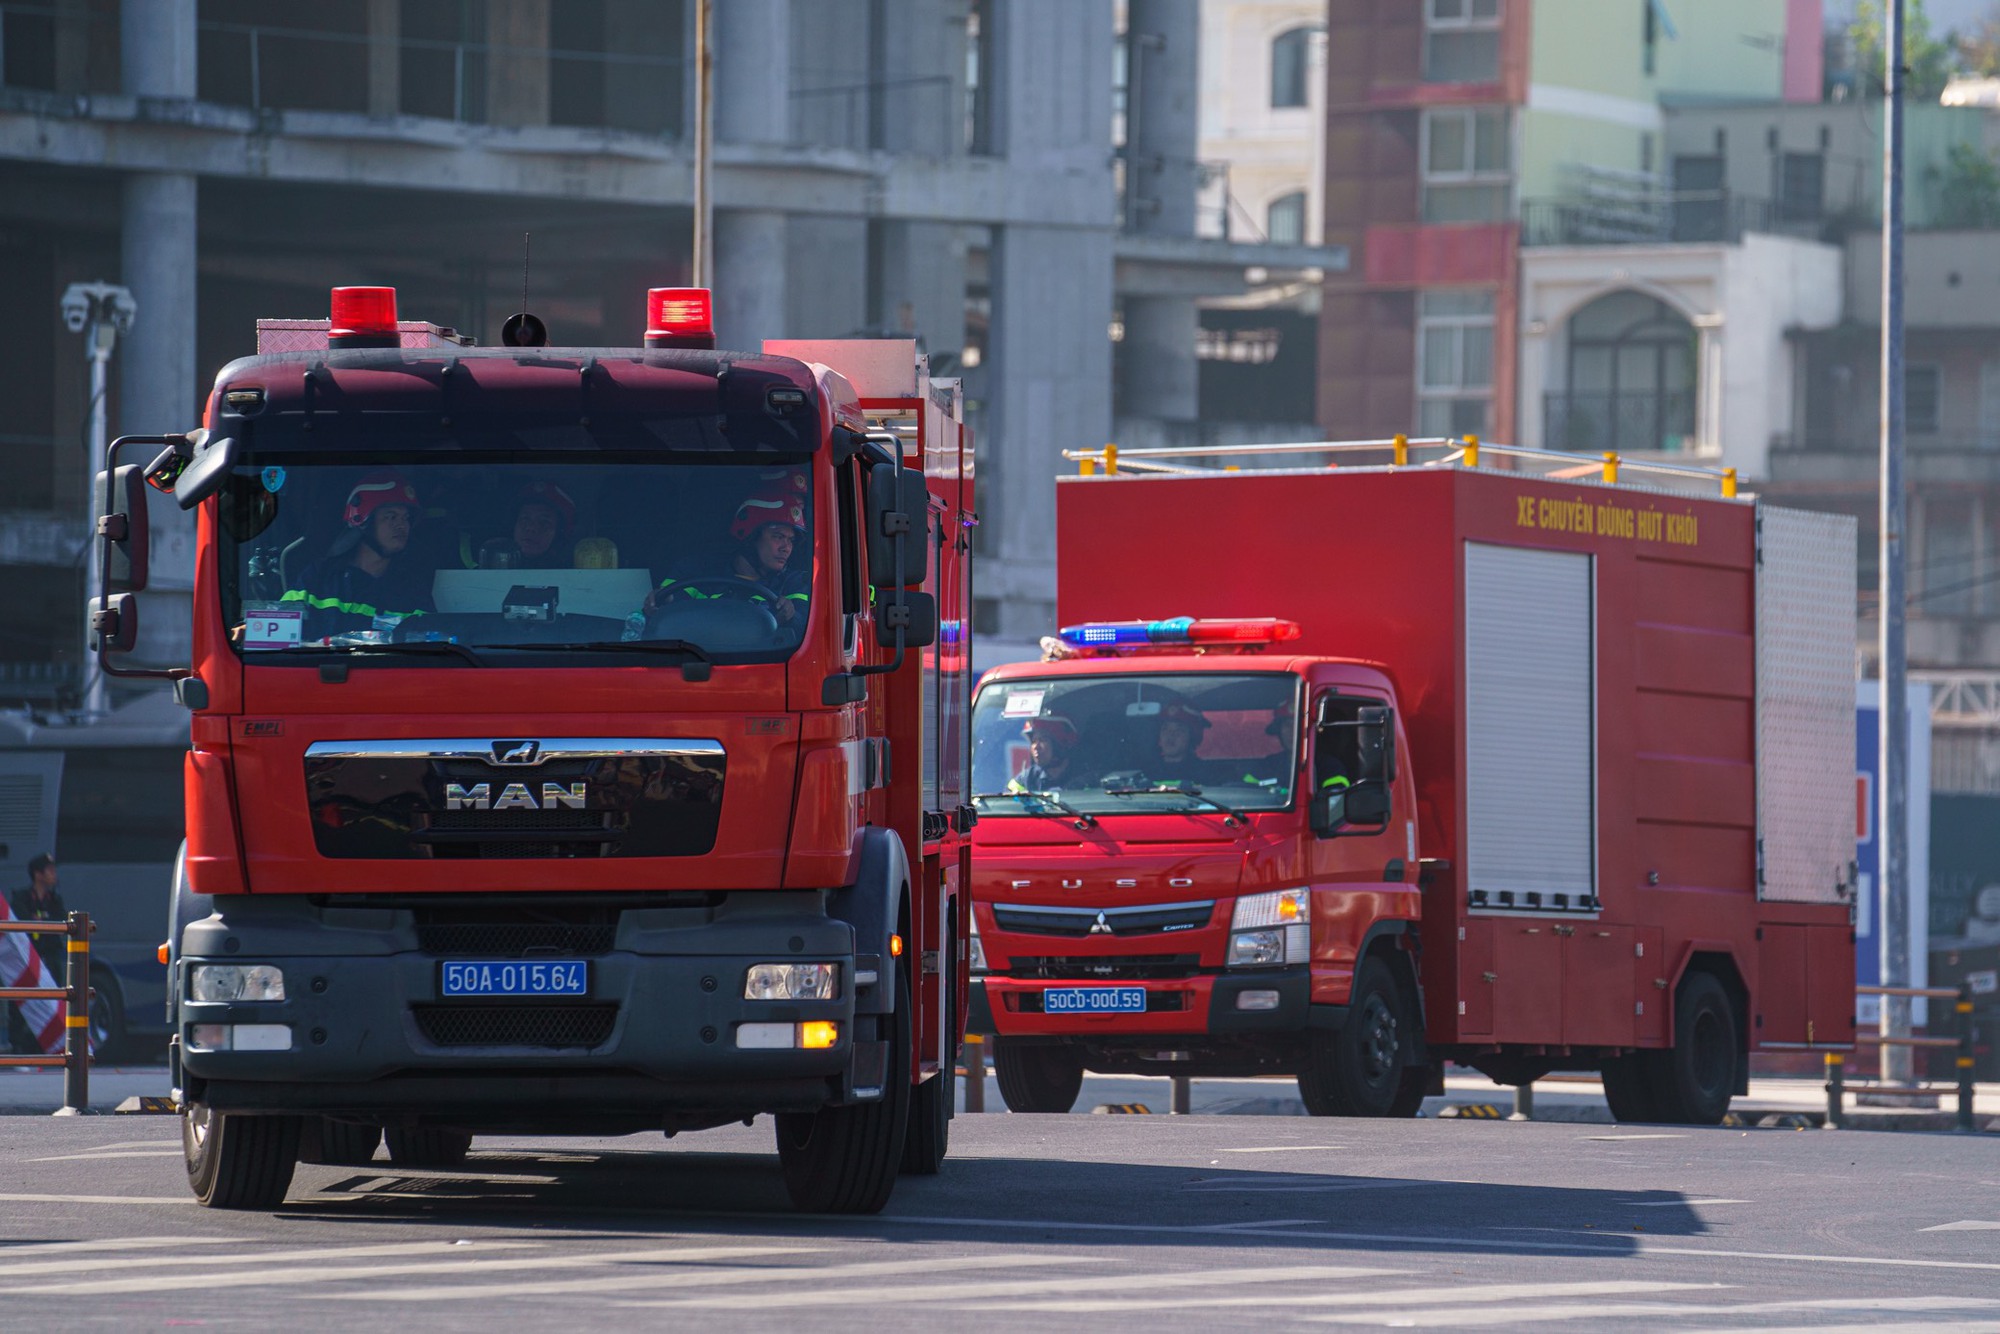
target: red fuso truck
577 745
1437 763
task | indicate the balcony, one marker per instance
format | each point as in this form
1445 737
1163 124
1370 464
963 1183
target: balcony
1654 218
1624 421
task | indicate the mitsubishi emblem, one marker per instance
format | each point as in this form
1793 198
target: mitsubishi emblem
1100 927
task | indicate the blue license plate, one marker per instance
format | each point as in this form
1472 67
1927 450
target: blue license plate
1093 1000
515 977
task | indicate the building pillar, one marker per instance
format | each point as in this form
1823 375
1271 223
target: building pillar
517 62
752 91
1159 372
385 58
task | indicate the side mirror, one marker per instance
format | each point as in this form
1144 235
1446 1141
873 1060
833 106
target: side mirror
1329 811
1375 739
899 501
122 527
1361 809
915 611
114 623
206 471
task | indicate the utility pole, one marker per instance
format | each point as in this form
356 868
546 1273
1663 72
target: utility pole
1894 738
100 312
704 145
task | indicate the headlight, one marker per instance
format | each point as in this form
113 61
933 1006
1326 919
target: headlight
1270 929
978 949
791 981
237 982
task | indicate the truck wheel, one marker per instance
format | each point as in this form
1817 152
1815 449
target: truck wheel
1359 1069
843 1160
236 1161
1628 1088
427 1146
334 1143
1410 1094
1694 1079
1037 1078
928 1138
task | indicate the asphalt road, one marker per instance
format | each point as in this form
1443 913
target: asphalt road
1188 1223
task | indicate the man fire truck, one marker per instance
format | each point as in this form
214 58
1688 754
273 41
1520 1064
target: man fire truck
1523 772
533 850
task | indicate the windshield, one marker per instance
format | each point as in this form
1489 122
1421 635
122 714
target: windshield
515 560
1109 745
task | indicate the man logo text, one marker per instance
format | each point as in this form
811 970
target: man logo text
513 797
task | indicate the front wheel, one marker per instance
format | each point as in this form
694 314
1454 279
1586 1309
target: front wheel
1628 1088
1037 1078
1361 1069
427 1146
1693 1080
338 1143
236 1161
843 1160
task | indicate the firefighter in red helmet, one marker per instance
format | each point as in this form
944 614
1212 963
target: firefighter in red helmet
768 554
368 581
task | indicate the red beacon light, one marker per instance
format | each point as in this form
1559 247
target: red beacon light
1181 632
363 317
680 317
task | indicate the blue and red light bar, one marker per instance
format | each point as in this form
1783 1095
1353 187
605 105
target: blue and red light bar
1181 631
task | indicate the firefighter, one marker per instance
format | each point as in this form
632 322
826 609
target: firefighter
1177 733
767 530
369 580
542 535
1051 742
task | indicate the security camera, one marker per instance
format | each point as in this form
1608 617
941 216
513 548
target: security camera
123 309
76 308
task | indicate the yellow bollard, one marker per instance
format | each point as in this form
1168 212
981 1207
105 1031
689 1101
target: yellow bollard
1087 466
1402 444
1610 469
1111 460
1472 451
1728 483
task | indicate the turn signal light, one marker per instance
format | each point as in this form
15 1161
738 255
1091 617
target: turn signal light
818 1034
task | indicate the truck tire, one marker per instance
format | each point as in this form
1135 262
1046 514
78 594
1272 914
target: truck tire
334 1143
1360 1068
1037 1078
1694 1079
843 1160
1628 1088
928 1138
236 1161
427 1146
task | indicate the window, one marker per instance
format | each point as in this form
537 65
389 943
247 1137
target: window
1922 388
1285 219
1801 186
1466 159
1462 41
1289 53
1454 362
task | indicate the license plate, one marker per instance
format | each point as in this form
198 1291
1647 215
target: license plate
1093 1000
514 977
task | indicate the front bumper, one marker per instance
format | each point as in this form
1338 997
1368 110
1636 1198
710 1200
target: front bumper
370 1036
1203 1005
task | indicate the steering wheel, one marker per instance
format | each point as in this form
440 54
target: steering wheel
720 586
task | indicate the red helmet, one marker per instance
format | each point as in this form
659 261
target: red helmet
1059 729
766 507
548 493
372 492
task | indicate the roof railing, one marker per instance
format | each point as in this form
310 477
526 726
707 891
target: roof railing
1404 452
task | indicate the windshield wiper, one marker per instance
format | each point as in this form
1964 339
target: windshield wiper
1083 821
1179 790
682 646
415 646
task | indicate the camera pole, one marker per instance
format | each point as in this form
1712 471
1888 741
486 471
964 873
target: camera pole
98 311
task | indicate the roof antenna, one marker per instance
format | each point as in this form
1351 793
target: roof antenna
523 329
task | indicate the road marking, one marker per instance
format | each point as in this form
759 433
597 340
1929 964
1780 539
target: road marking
250 1255
1904 1327
122 1153
258 1278
992 1295
1613 1139
1964 1225
97 1199
1627 1245
1293 1148
1456 1317
8 1251
1268 1222
1677 1204
637 1279
1405 1297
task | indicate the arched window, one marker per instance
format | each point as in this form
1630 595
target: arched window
1288 67
1285 219
1631 378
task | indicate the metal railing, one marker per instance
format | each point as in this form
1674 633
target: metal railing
1838 1086
76 997
1689 216
1401 452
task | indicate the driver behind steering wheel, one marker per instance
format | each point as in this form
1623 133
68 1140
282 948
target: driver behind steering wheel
767 530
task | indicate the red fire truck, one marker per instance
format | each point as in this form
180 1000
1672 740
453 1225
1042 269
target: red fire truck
577 745
1441 763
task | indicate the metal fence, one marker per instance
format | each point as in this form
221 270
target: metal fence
1838 1086
75 995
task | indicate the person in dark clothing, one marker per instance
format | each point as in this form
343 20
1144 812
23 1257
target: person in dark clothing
542 535
1178 732
369 576
1051 739
38 901
768 528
